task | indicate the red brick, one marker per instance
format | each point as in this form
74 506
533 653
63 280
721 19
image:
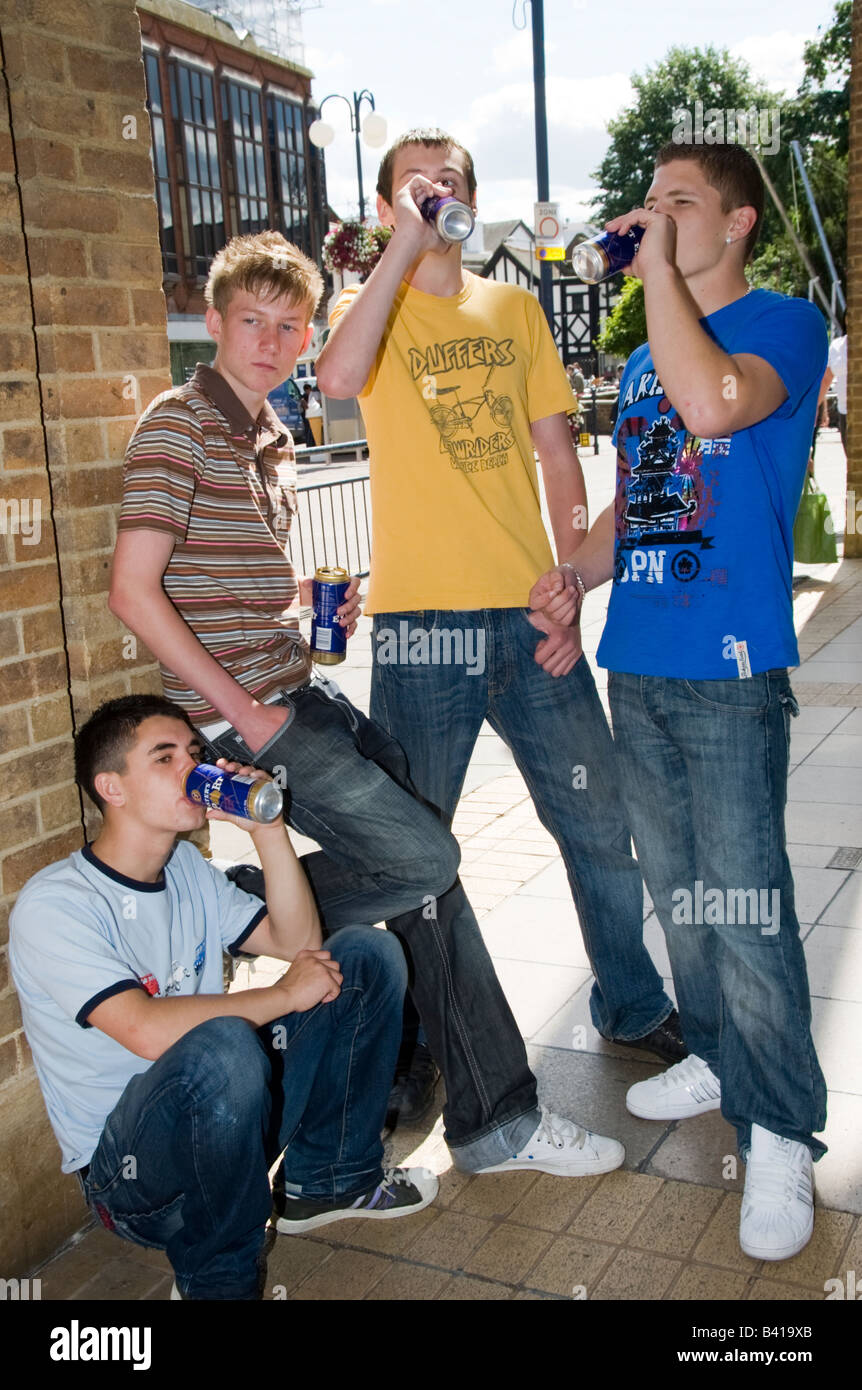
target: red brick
88 487
130 352
87 397
127 262
12 258
61 256
46 159
152 386
139 219
15 307
23 448
33 676
8 1060
49 210
17 352
19 400
84 531
81 305
50 719
110 72
72 443
124 170
41 632
10 1008
65 352
19 825
13 730
60 808
43 767
29 586
10 642
31 55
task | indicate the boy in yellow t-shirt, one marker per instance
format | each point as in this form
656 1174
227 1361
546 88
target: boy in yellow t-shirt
460 382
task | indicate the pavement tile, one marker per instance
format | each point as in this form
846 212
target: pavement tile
679 1214
816 784
508 1253
836 750
406 1282
836 1027
348 1274
771 1291
121 1280
536 991
699 1282
615 1207
551 1202
532 1296
719 1244
463 1289
813 856
833 956
814 889
570 1262
291 1260
383 1237
821 1255
845 909
633 1274
449 1240
160 1292
493 1195
700 1150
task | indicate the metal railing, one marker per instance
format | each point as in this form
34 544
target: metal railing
332 526
348 450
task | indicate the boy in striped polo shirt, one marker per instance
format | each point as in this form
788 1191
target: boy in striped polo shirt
201 575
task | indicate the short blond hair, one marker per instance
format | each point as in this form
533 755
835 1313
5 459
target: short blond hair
266 265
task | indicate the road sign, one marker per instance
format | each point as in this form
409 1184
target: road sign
549 232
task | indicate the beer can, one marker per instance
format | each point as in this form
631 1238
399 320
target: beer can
596 260
453 219
218 790
328 638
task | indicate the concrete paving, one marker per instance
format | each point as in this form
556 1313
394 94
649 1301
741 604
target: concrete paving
664 1226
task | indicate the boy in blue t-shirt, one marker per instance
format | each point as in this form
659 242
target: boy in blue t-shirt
170 1099
712 436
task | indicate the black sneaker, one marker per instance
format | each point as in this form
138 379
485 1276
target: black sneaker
402 1191
665 1041
412 1093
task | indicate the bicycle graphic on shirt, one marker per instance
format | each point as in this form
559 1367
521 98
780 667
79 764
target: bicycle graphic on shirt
468 446
460 415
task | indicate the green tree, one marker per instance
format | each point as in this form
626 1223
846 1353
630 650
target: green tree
682 77
625 328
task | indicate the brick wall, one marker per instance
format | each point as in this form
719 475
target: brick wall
853 540
82 349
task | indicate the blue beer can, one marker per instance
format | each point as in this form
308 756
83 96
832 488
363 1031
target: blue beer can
596 260
453 219
210 786
328 638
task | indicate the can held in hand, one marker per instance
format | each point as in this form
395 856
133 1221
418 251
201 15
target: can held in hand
454 220
218 790
328 638
596 260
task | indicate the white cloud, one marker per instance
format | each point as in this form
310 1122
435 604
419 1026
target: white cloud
774 58
500 199
576 103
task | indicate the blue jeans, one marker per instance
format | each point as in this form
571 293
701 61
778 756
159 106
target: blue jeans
183 1158
704 766
386 856
554 726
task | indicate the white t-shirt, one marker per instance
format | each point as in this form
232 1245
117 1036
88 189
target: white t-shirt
838 365
79 933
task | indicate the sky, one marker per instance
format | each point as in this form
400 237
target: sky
463 65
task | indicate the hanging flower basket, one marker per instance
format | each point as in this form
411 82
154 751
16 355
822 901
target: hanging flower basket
352 246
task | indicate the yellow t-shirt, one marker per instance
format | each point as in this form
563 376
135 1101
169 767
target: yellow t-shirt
447 408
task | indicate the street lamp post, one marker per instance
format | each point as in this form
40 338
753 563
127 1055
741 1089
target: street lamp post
373 131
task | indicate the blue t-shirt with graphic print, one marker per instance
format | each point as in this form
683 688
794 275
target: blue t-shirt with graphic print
704 527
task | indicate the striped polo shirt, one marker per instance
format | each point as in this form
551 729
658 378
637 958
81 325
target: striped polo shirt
223 485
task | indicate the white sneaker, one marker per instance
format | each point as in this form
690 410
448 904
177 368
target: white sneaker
689 1088
777 1216
561 1147
175 1293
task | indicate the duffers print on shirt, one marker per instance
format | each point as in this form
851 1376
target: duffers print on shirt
668 491
472 417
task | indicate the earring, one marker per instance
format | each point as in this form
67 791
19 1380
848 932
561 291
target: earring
728 240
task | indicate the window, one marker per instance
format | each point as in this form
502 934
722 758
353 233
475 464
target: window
288 153
197 149
241 111
160 164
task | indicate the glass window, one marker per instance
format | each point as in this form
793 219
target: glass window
198 139
159 155
289 155
241 107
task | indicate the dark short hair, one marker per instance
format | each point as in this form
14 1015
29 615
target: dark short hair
102 743
422 135
732 170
